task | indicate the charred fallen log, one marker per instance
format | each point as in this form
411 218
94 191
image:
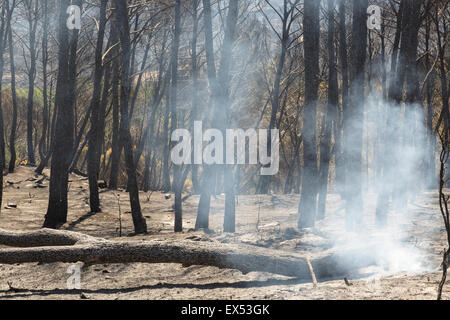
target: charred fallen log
71 247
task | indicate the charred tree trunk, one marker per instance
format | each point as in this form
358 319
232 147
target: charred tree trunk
442 35
123 29
330 116
32 25
229 223
116 140
311 27
178 182
340 129
93 149
45 112
391 127
209 172
413 135
49 246
355 117
430 172
3 34
195 79
404 67
64 134
12 137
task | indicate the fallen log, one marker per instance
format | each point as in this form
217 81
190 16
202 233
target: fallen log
71 247
43 238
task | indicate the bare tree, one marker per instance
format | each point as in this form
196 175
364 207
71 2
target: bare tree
64 133
123 29
12 137
32 12
94 134
311 30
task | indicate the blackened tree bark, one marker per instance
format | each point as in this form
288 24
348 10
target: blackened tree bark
123 28
32 8
195 79
355 116
330 116
412 134
12 137
340 129
311 30
442 34
45 112
166 149
429 84
229 223
64 133
405 66
3 34
116 141
391 126
177 170
209 174
93 149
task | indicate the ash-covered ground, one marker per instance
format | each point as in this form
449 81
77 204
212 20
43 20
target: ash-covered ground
409 254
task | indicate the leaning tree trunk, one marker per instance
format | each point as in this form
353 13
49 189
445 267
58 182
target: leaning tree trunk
264 184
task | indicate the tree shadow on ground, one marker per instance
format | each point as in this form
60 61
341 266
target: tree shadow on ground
23 293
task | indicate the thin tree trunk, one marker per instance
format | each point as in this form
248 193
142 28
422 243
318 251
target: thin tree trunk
116 140
265 180
209 172
229 223
121 19
12 137
195 78
177 170
45 114
3 35
340 129
93 145
32 24
330 116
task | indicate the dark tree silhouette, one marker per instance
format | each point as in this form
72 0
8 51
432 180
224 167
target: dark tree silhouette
311 30
64 133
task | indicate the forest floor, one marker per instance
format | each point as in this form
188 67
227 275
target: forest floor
410 269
